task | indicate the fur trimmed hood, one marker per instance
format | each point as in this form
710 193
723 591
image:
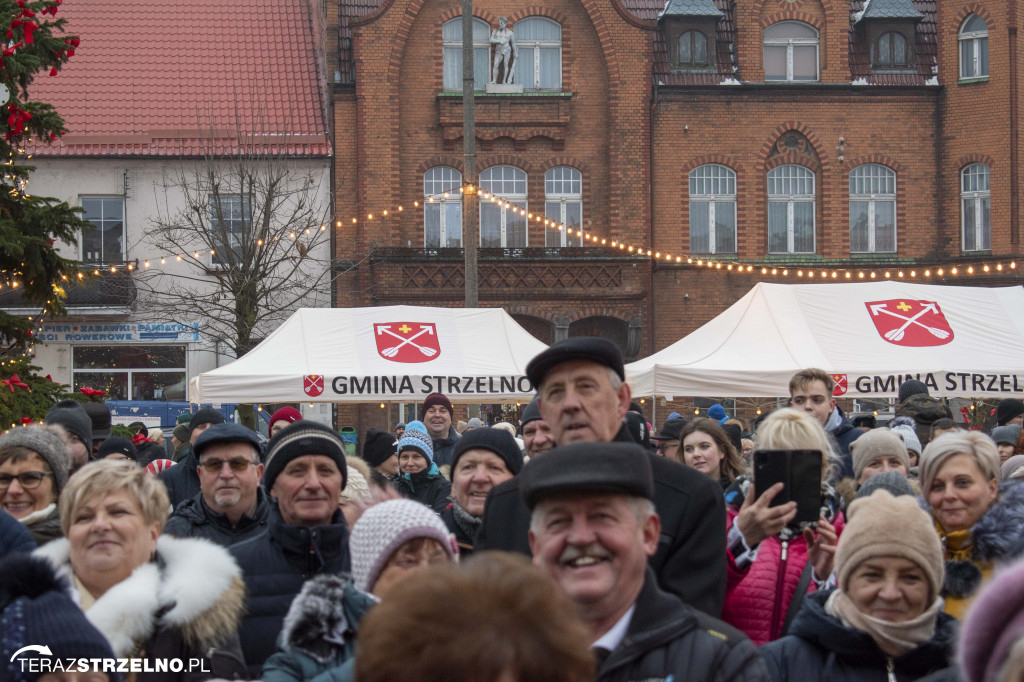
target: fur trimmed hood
324 616
1000 529
194 587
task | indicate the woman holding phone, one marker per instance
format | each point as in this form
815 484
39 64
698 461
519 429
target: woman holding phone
772 561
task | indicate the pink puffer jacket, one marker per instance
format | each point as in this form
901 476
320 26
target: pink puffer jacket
756 600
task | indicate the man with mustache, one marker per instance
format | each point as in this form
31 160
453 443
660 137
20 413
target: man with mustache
583 397
230 505
592 528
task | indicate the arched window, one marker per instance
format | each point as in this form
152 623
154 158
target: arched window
563 203
976 207
791 52
442 207
693 49
451 38
973 39
892 51
712 209
539 64
872 209
503 221
791 210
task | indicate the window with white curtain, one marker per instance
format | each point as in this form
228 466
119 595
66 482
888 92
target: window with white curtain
973 40
790 210
503 221
451 38
791 52
976 207
563 203
442 207
712 209
539 64
692 49
891 51
872 209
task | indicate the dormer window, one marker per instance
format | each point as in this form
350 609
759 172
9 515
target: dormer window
689 27
891 52
693 49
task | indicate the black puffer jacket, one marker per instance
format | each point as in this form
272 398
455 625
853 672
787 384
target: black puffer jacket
443 448
819 647
181 480
667 639
432 489
925 410
274 566
194 519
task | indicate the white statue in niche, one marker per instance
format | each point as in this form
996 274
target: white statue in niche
505 53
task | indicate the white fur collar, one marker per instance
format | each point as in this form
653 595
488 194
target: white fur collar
196 574
39 515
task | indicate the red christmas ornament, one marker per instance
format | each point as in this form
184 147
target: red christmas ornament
25 421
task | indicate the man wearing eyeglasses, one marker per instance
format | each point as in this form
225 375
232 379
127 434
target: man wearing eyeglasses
231 506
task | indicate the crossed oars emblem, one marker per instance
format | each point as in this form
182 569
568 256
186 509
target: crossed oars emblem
898 333
392 351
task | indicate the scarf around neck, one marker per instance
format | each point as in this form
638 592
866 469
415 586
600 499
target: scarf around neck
468 523
894 639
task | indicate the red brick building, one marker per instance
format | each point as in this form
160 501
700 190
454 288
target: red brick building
862 138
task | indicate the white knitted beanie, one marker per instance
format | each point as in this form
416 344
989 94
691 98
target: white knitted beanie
385 527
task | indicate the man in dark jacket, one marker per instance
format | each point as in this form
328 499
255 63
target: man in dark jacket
914 402
231 506
437 414
583 398
593 526
306 536
182 481
810 390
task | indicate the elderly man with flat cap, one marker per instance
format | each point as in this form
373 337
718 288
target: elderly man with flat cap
182 481
592 528
583 397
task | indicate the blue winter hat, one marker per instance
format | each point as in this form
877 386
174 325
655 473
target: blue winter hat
717 412
673 415
417 438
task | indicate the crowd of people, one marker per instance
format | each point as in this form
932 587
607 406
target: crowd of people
583 545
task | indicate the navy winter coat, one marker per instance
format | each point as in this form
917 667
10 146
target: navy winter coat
194 519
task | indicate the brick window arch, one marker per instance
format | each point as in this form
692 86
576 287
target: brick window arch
442 207
451 41
712 209
973 41
791 209
976 207
791 52
872 209
539 62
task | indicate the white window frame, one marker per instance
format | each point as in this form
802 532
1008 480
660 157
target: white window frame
972 177
789 44
879 175
791 199
715 175
535 46
562 191
975 41
503 195
441 188
234 235
103 258
453 45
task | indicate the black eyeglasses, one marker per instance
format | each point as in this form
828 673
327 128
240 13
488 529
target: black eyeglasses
27 480
237 464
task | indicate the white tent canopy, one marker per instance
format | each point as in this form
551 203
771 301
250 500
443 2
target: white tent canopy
960 341
393 353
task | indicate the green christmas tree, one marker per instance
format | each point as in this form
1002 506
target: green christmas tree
35 45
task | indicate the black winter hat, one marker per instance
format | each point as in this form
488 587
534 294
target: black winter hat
378 446
912 387
1007 409
616 468
638 429
498 441
671 429
592 348
206 415
99 415
303 438
73 417
531 413
118 445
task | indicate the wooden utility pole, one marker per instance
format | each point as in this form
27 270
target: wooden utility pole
470 196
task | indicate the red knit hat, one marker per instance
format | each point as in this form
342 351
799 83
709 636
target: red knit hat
437 399
289 414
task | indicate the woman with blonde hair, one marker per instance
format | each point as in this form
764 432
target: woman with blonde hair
771 561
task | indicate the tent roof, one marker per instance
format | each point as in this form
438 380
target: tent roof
752 349
399 353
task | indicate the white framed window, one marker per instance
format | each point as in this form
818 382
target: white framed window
791 52
973 40
229 220
712 209
872 209
539 64
892 51
451 39
976 207
104 243
563 203
442 207
692 49
791 205
503 221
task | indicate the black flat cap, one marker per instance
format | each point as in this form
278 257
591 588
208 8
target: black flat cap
593 348
617 468
670 430
225 432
